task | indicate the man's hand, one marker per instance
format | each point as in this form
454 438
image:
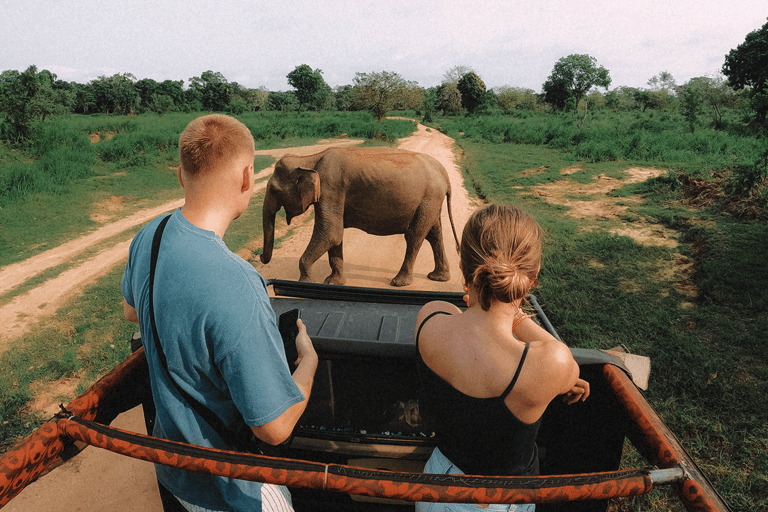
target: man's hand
304 345
579 391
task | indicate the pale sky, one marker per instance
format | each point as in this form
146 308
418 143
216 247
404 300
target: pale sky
513 42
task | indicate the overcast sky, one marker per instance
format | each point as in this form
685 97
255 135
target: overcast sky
257 43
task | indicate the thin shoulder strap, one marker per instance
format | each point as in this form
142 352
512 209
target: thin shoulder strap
418 333
208 415
517 373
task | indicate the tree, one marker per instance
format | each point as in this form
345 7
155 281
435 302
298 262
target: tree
311 89
716 94
282 101
691 102
448 98
572 77
116 94
472 90
380 92
214 90
343 97
511 98
746 67
30 96
453 75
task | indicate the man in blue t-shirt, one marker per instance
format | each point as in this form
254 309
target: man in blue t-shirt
215 322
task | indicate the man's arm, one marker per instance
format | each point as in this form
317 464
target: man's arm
280 429
130 312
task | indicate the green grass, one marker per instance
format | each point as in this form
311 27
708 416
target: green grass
709 357
709 372
135 159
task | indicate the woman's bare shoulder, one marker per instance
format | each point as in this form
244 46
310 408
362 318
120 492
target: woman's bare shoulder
435 307
553 362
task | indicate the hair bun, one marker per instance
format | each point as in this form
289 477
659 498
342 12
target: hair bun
501 281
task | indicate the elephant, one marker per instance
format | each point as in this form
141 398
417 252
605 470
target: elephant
379 190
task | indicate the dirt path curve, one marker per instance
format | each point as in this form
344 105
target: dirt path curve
25 310
101 481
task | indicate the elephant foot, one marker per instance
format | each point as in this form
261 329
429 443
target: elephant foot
335 279
402 280
439 276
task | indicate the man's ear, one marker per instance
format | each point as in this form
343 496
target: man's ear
178 173
247 178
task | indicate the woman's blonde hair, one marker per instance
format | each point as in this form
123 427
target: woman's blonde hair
501 253
213 140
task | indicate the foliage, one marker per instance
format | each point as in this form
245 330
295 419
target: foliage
381 92
608 136
472 90
572 77
29 97
511 98
691 104
311 89
214 90
746 66
116 94
448 99
600 290
745 178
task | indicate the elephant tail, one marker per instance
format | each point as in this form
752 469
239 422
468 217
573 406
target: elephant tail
450 217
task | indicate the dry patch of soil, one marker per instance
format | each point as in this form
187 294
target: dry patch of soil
593 200
105 210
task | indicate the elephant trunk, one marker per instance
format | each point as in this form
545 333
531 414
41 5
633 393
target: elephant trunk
268 212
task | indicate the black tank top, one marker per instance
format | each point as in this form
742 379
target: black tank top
480 436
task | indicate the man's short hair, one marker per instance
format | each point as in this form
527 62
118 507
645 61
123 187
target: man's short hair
213 140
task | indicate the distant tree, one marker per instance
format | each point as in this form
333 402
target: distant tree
572 77
453 75
449 99
256 99
215 91
282 101
174 89
663 92
147 88
746 67
29 97
511 98
311 89
623 98
380 92
663 81
343 97
691 102
715 94
115 94
472 90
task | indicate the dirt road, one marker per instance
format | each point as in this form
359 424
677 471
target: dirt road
100 481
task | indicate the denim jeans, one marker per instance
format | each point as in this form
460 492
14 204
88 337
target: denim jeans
438 464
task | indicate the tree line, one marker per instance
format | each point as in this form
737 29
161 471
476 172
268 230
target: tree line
31 96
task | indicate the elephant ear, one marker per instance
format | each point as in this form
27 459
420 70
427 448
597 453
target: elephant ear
309 186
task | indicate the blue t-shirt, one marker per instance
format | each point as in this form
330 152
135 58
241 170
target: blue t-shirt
220 338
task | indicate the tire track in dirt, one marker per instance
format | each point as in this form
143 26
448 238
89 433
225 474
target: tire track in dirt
118 476
25 310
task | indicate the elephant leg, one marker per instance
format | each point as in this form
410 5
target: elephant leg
413 240
442 270
312 253
336 259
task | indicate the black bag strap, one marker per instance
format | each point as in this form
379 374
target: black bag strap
229 436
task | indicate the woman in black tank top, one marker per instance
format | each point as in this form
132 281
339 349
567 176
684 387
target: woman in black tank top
488 373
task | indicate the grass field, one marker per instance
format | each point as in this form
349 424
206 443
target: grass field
696 307
704 328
